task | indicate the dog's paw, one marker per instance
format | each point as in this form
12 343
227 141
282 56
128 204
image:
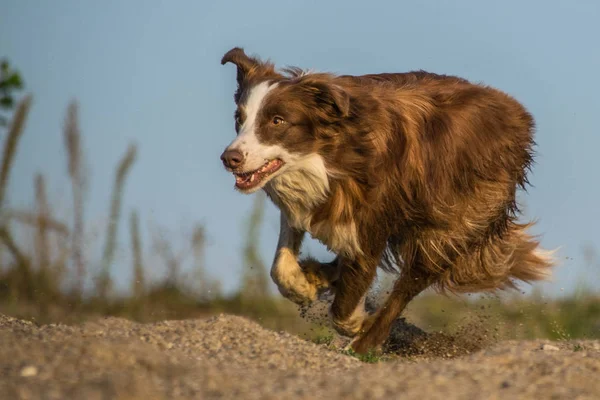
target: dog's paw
322 275
293 284
351 326
368 339
302 293
346 328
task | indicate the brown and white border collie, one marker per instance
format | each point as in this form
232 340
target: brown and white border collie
410 171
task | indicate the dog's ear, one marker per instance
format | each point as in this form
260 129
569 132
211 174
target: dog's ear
337 96
331 98
243 63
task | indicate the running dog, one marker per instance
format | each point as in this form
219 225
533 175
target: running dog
411 172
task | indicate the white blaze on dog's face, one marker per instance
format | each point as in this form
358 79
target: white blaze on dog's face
274 139
259 161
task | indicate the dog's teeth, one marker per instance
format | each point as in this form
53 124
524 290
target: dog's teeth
251 178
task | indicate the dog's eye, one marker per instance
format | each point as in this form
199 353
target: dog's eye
278 121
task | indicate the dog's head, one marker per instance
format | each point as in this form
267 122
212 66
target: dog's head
284 123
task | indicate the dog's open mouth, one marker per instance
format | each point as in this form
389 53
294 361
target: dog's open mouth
251 179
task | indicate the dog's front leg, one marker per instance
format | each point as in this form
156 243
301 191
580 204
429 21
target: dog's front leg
348 309
286 272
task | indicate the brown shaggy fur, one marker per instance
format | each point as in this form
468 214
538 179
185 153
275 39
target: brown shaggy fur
425 166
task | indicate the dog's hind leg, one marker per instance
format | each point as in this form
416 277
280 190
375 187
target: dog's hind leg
376 328
298 282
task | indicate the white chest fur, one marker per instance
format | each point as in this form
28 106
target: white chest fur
297 192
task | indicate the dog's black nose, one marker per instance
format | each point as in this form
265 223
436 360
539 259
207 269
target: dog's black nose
232 158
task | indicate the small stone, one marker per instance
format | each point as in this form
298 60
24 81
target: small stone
549 347
29 371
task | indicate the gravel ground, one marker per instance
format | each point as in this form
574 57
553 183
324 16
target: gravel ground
234 358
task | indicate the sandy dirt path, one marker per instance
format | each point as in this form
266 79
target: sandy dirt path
228 357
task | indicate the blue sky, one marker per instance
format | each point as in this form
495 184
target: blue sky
148 72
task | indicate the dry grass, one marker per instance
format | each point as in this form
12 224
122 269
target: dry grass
103 281
9 152
138 283
72 138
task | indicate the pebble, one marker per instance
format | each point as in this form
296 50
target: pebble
29 371
549 347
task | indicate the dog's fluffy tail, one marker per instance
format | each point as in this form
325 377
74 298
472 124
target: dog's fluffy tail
516 256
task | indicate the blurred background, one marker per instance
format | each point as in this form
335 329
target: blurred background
114 114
